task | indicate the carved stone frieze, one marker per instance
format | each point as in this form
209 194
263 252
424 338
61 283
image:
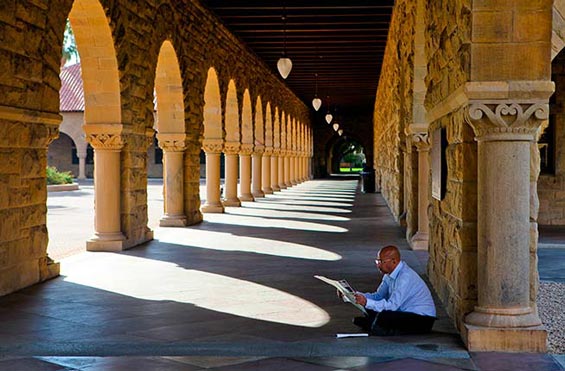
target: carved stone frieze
506 120
105 141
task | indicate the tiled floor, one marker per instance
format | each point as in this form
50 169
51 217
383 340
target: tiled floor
234 293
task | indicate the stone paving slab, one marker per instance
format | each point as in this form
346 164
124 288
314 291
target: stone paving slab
240 285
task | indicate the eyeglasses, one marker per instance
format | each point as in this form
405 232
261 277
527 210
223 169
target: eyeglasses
380 261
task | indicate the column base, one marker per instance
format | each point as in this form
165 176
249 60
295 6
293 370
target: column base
233 202
276 188
258 194
268 191
173 221
112 242
212 208
419 241
521 339
288 185
293 182
282 186
247 197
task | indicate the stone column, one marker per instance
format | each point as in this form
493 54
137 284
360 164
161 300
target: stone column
275 170
287 170
504 318
282 183
421 238
213 150
107 190
81 154
231 150
173 146
245 172
256 176
266 171
292 169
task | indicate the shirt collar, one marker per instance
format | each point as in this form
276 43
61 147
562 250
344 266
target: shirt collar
397 270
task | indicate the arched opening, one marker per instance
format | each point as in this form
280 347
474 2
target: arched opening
231 147
169 125
213 142
346 156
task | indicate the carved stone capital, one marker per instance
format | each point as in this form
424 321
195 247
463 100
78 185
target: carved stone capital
52 133
421 141
246 149
259 149
212 145
268 151
231 148
105 141
506 120
172 142
276 151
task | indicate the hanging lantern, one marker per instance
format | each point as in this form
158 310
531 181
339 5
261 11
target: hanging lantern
329 117
284 65
336 126
340 131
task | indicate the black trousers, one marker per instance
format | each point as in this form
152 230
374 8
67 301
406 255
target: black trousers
389 323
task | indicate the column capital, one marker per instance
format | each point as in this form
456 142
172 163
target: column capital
213 145
421 141
268 151
104 141
231 148
276 151
506 119
172 142
246 149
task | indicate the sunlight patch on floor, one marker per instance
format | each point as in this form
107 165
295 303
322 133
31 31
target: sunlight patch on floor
149 279
222 241
258 222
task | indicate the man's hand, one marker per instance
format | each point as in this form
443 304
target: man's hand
360 299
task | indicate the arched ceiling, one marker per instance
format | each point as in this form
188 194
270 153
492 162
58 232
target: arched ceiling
343 41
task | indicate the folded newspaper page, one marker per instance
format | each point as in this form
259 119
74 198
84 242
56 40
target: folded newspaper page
345 288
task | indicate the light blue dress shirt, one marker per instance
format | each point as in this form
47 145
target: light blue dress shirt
402 290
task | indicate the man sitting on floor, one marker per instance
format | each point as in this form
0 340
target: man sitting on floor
402 303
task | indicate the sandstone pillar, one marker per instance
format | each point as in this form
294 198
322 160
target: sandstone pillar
275 171
282 183
231 151
81 154
421 238
505 317
266 172
256 176
107 144
213 149
292 169
287 173
173 146
245 173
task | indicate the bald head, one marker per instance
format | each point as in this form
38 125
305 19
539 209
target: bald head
390 252
388 259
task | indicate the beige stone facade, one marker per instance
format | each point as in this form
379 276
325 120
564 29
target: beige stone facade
486 75
463 98
181 43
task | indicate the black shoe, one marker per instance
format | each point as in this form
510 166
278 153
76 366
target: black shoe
362 322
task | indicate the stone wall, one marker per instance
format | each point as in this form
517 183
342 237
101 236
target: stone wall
32 33
393 106
453 227
551 187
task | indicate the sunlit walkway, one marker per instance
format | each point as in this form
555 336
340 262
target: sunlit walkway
239 288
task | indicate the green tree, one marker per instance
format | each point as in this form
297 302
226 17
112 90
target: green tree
70 51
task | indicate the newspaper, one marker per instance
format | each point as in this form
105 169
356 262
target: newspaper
347 291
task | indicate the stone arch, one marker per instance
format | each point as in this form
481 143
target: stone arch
169 92
232 114
98 62
212 107
259 127
268 127
277 129
246 120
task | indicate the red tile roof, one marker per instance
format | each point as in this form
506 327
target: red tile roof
71 95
